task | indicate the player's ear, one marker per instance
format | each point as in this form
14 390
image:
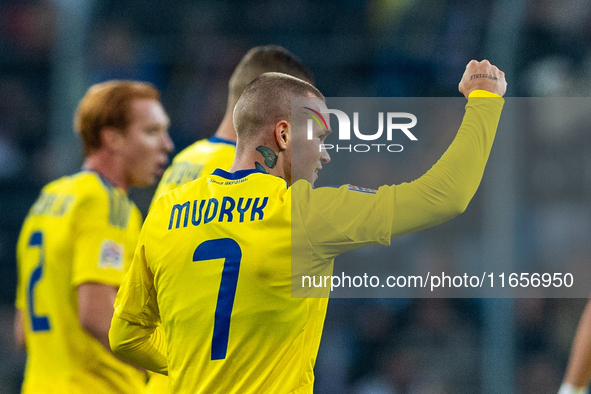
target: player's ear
111 139
283 134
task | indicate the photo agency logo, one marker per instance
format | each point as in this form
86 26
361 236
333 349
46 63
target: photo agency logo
393 125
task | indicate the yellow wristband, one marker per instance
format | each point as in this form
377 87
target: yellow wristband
482 93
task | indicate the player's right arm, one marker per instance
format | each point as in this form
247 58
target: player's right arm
95 309
347 219
578 372
20 302
144 346
136 334
19 329
446 189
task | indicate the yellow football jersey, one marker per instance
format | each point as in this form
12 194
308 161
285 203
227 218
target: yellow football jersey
81 229
197 159
216 258
220 267
223 294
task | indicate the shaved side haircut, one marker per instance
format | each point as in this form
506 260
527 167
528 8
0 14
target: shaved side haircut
267 100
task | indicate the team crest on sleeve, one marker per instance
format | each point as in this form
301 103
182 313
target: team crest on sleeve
361 189
111 255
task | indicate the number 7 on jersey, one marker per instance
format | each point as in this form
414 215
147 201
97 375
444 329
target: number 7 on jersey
228 249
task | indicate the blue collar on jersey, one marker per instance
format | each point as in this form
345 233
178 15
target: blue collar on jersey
218 140
237 174
242 173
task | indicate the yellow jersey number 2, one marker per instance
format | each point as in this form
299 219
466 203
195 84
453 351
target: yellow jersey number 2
38 323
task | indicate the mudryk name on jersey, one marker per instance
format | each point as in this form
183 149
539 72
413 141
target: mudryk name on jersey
201 212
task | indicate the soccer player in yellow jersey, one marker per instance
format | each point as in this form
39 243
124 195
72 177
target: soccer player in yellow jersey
77 242
206 155
213 260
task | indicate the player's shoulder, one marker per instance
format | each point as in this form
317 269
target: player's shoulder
250 181
99 198
66 195
221 190
231 182
179 196
208 147
92 189
304 194
181 191
79 184
92 185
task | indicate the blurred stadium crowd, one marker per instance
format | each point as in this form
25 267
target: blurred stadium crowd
355 48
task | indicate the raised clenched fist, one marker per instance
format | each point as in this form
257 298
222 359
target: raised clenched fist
482 76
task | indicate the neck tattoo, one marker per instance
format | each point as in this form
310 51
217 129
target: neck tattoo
259 166
269 155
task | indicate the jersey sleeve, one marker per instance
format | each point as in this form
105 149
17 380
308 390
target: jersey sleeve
101 237
336 220
136 333
143 346
136 300
446 189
